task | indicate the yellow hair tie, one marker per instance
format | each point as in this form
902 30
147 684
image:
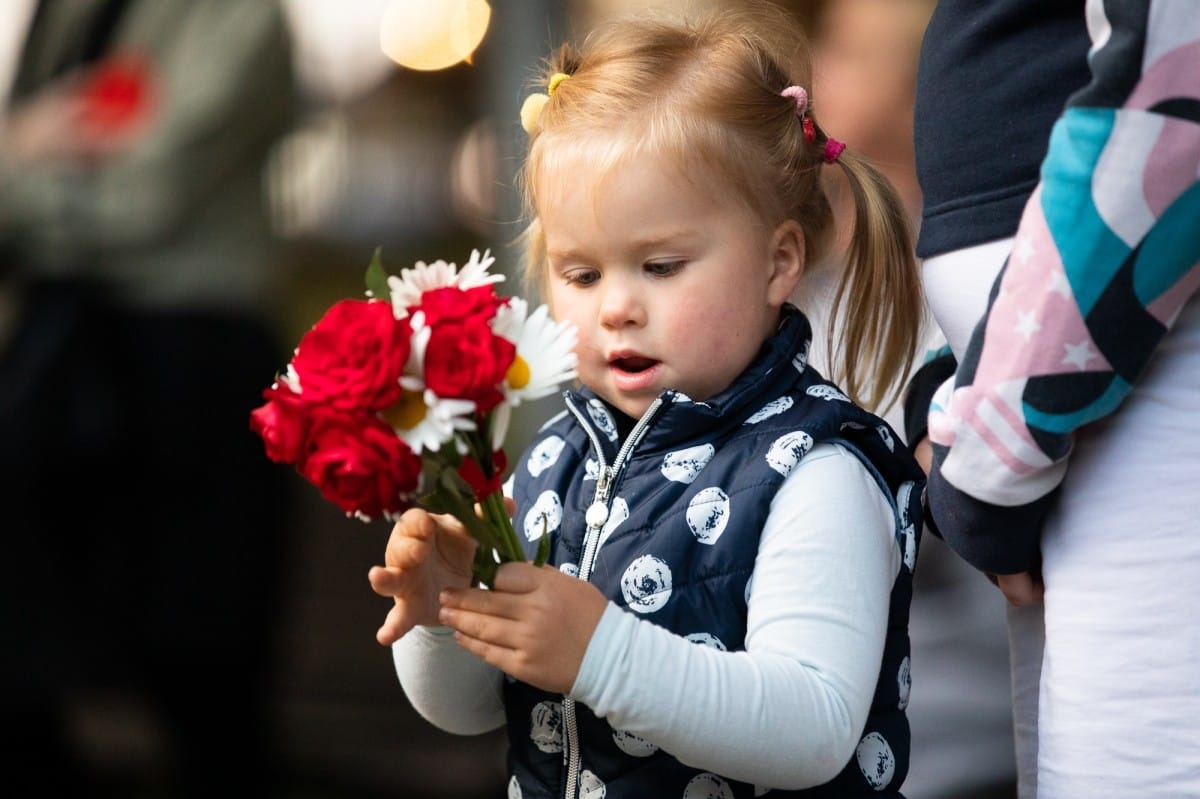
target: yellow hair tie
555 79
531 109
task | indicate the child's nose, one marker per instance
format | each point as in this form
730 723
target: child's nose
622 304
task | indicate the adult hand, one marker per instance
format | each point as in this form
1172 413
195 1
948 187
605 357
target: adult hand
534 624
1022 589
85 118
425 554
923 452
45 127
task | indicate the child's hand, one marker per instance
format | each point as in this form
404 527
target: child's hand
534 624
424 554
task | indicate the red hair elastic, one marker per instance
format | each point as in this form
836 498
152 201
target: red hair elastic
810 130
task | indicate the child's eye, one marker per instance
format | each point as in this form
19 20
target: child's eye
663 268
581 277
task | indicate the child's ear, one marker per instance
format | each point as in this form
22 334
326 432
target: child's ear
787 261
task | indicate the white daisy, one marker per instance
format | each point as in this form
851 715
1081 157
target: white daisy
545 351
499 420
423 419
545 358
426 422
407 288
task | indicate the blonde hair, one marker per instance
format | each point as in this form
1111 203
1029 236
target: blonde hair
705 91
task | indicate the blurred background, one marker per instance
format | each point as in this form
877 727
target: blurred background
185 186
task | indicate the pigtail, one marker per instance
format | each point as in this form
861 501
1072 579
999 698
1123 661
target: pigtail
877 314
879 304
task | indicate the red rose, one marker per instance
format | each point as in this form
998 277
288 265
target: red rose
283 424
451 303
353 357
361 465
481 484
464 359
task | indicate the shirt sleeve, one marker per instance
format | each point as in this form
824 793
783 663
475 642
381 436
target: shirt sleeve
1105 257
447 685
789 710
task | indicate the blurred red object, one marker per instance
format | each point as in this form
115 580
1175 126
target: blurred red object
118 95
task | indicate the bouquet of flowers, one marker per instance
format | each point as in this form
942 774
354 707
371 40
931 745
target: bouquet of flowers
404 398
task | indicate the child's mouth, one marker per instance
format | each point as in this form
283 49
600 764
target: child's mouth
633 365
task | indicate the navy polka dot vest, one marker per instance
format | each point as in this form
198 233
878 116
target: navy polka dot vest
683 499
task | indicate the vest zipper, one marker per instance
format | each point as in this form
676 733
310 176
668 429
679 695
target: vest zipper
595 517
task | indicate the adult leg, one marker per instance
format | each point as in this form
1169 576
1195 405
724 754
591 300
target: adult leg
1026 642
1120 699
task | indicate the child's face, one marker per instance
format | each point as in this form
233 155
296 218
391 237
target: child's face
669 286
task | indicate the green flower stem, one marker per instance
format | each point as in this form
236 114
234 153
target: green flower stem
450 499
491 527
484 567
495 513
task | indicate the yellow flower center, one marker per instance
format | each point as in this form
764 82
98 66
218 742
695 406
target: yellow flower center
518 374
407 412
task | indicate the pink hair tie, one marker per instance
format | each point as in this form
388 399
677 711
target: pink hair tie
800 96
833 148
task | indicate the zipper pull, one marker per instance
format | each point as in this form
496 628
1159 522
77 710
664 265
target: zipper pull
597 512
597 515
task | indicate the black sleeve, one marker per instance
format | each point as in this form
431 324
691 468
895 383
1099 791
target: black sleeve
920 391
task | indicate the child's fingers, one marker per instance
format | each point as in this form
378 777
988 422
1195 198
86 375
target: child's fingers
412 537
516 578
393 628
384 580
458 602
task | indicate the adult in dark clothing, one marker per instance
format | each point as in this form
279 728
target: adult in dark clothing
136 263
1096 246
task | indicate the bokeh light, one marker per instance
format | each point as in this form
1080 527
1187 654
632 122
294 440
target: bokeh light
433 34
